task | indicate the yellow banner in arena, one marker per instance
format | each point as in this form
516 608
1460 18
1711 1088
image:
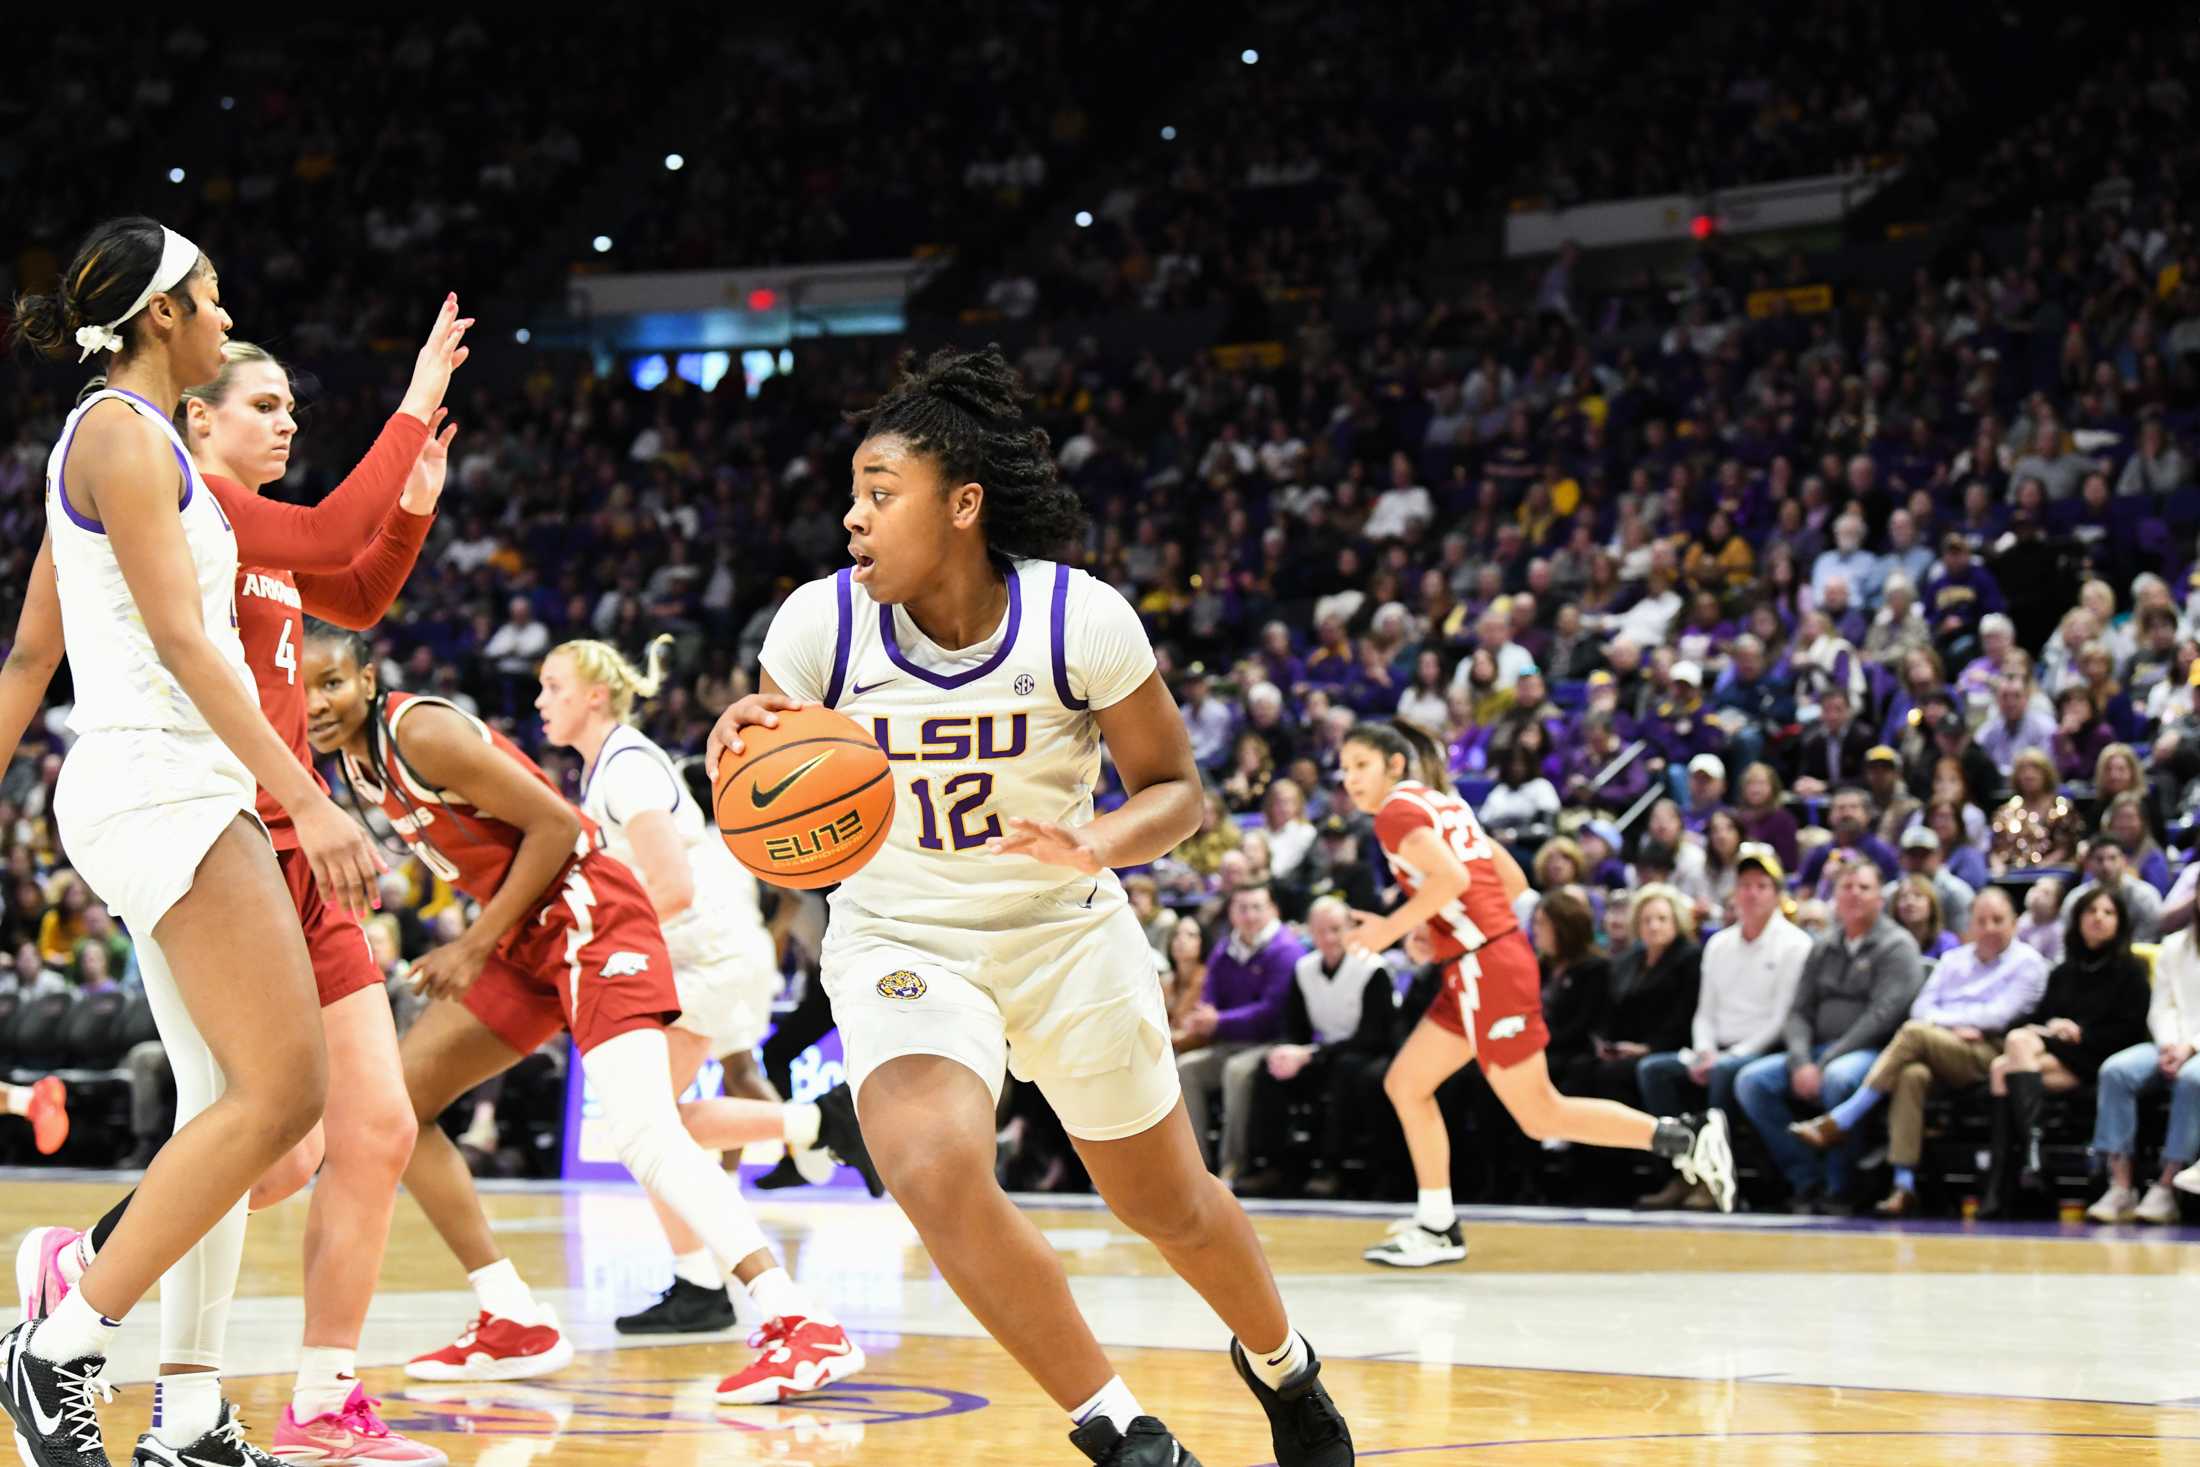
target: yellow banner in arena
1802 300
1266 355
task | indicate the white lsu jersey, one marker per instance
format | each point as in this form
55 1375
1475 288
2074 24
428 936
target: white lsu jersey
632 774
120 680
1001 728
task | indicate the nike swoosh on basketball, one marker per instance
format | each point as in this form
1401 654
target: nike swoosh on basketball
763 795
859 689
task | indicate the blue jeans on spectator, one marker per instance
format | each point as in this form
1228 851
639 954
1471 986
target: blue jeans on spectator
1764 1094
1667 1090
2129 1074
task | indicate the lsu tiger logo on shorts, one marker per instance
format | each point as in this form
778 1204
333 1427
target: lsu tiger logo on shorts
1509 1027
903 984
626 964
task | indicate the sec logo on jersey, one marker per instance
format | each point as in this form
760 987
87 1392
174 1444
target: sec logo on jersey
904 985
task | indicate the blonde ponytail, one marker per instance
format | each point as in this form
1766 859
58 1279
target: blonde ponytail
605 666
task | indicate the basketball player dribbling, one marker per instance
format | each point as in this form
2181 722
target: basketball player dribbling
990 931
565 939
725 965
239 428
1459 886
156 805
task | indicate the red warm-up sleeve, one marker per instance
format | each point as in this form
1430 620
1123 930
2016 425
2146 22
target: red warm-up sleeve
329 536
359 595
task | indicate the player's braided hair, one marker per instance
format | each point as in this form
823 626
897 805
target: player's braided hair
966 410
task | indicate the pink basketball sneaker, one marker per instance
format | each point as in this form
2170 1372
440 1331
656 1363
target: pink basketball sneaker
352 1435
46 1268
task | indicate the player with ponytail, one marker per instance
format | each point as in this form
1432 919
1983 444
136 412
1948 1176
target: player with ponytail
1459 887
725 965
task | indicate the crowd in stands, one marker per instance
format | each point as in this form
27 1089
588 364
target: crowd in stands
1823 670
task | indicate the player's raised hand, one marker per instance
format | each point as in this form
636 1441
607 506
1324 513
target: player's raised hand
756 708
1057 845
424 485
443 353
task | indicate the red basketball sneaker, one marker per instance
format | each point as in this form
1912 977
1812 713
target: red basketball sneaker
49 1115
492 1348
799 1356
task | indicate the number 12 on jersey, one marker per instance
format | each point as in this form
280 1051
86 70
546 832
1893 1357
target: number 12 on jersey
964 796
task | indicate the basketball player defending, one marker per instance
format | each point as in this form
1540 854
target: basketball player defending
1459 887
990 931
565 939
239 428
156 807
725 966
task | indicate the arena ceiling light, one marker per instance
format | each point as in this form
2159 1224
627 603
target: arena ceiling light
1249 56
603 244
674 162
1084 218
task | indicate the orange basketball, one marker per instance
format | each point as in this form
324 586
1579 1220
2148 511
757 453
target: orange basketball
807 803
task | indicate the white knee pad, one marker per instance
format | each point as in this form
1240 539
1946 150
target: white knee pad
632 1073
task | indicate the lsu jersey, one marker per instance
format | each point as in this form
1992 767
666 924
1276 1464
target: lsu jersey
632 774
120 680
973 735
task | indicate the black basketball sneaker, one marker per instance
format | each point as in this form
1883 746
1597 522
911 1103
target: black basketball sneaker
840 1133
1147 1444
224 1446
683 1309
1305 1426
54 1403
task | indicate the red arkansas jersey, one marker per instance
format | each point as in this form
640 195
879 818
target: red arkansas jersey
1481 913
466 847
271 623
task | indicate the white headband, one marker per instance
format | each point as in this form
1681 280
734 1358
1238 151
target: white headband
177 257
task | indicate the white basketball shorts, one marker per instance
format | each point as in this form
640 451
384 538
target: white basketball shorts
138 809
1058 993
726 985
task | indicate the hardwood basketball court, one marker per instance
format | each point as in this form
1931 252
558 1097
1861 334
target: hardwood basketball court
1567 1338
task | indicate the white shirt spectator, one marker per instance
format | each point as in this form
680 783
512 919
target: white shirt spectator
1288 846
1747 989
1397 511
1533 803
518 645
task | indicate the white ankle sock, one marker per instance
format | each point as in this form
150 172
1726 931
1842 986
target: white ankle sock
1273 1367
326 1379
779 1296
186 1407
699 1269
502 1292
1434 1210
18 1099
1114 1401
74 1329
800 1126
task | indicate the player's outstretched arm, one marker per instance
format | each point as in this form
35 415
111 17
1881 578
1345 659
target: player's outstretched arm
1153 754
450 754
32 656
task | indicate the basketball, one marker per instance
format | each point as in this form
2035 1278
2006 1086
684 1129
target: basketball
806 803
